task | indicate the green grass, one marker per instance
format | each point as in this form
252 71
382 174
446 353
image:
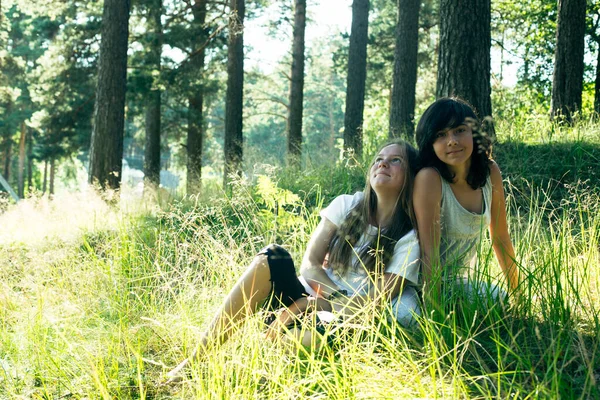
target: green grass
101 301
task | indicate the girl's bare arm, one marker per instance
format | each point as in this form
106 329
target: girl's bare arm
314 257
501 242
427 197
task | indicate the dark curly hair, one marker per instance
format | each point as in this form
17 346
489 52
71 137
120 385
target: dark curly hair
449 113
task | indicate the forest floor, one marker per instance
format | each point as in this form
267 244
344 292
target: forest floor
100 301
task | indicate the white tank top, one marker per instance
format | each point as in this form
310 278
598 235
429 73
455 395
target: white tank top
461 230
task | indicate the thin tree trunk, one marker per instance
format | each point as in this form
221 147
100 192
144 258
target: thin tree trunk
45 183
22 150
195 143
567 80
331 103
404 80
52 171
234 149
152 145
30 162
106 150
464 54
297 85
356 80
7 160
597 84
195 131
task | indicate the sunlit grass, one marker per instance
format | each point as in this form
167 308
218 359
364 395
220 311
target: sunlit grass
100 301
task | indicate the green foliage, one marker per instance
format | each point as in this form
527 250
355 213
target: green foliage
528 32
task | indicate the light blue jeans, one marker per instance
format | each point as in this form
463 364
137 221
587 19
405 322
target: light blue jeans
406 306
484 296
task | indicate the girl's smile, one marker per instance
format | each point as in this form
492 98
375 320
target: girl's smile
454 146
388 169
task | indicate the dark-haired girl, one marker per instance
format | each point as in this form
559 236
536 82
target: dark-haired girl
364 249
458 194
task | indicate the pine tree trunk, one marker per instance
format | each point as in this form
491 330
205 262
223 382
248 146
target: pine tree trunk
106 150
404 80
597 85
464 54
567 81
297 85
21 171
235 95
52 171
331 104
29 162
357 75
195 130
7 144
45 182
152 145
7 159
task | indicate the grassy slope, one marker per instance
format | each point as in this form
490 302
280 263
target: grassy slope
99 303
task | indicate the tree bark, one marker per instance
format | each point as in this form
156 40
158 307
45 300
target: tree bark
45 182
21 171
357 75
52 173
234 97
404 79
29 162
195 131
597 84
464 53
152 145
567 80
297 85
7 159
106 150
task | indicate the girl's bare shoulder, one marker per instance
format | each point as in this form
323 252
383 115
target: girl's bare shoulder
428 177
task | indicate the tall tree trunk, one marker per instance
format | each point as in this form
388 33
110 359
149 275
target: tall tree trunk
597 84
567 81
45 182
106 150
235 92
357 75
294 122
7 159
22 150
152 146
52 173
464 54
30 162
404 79
331 104
195 131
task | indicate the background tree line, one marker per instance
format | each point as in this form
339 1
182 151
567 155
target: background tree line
163 83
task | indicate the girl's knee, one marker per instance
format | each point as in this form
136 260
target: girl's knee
279 261
260 261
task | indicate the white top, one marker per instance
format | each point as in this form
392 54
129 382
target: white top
404 262
461 230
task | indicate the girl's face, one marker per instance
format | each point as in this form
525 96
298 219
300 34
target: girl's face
388 170
454 146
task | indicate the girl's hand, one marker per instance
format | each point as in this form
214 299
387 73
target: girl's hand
284 318
287 316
